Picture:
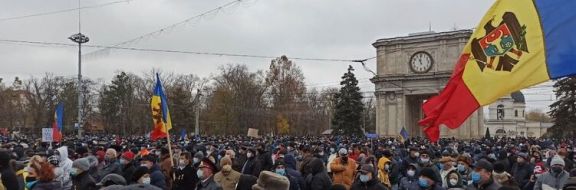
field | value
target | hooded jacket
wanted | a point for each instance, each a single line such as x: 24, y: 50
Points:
x: 382, y: 172
x: 66, y: 166
x: 318, y: 179
x: 552, y: 181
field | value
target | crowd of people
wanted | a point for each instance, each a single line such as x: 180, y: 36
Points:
x: 288, y: 163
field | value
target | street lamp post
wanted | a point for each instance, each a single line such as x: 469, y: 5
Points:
x: 79, y: 39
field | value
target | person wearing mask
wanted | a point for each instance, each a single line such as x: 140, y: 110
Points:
x: 410, y: 179
x: 141, y: 176
x: 280, y: 169
x: 464, y: 168
x: 7, y: 175
x: 482, y: 178
x: 384, y: 169
x: 563, y: 153
x: 156, y: 177
x: 504, y: 178
x: 82, y: 180
x: 318, y: 178
x: 503, y: 159
x: 290, y: 165
x: 252, y: 165
x: 66, y: 165
x: 367, y: 179
x: 522, y: 169
x: 166, y: 166
x: 426, y: 162
x: 127, y: 164
x: 343, y: 169
x: 41, y: 177
x: 205, y: 173
x: 412, y: 158
x: 447, y: 173
x: 58, y: 172
x: 555, y: 178
x: 240, y: 159
x: 227, y: 177
x: 428, y: 180
x: 111, y: 165
x: 331, y: 158
x: 185, y: 173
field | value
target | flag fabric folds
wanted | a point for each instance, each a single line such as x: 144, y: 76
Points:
x: 58, y: 122
x: 160, y: 113
x: 403, y: 134
x: 518, y: 44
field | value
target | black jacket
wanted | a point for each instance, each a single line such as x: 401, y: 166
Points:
x: 318, y: 179
x: 372, y: 184
x: 522, y: 173
x: 9, y: 179
x: 83, y: 181
x: 246, y: 182
x: 252, y: 166
x: 128, y: 171
x: 185, y: 178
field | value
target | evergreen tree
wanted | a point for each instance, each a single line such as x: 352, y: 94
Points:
x: 563, y: 111
x: 349, y: 106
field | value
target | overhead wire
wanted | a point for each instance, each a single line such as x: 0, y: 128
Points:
x: 63, y: 10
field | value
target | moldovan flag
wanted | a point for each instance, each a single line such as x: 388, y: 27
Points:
x: 518, y: 43
x: 57, y: 124
x: 160, y: 114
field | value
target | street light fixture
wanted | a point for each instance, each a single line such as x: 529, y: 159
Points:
x: 79, y: 39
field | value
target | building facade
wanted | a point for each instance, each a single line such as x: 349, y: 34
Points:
x: 507, y: 117
x: 411, y: 69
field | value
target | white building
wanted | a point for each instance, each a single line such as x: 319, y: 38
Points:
x: 507, y: 117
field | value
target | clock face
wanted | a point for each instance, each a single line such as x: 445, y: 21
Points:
x: 421, y: 62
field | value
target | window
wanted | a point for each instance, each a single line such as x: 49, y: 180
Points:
x: 500, y: 112
x: 515, y: 113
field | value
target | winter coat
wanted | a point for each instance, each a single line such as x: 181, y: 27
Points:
x: 382, y: 172
x: 343, y: 173
x: 372, y: 184
x: 446, y: 180
x: 9, y: 179
x: 408, y: 183
x: 300, y: 181
x: 550, y: 180
x: 437, y: 186
x: 128, y: 171
x: 157, y: 178
x: 166, y: 168
x: 305, y: 165
x: 47, y: 185
x: 185, y: 178
x: 491, y: 185
x: 318, y: 179
x: 252, y: 166
x: 208, y: 184
x: 228, y: 182
x: 522, y: 173
x: 66, y: 165
x: 246, y: 182
x: 84, y: 181
x: 113, y: 167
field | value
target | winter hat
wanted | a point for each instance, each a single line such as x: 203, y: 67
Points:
x: 499, y: 167
x: 557, y: 161
x: 112, y: 179
x: 207, y: 163
x: 82, y: 164
x: 483, y: 164
x: 271, y: 181
x: 523, y: 155
x: 429, y: 173
x: 366, y: 168
x: 225, y: 161
x: 139, y: 172
x: 343, y: 152
x: 128, y: 155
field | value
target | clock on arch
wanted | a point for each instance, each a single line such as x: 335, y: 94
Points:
x: 421, y: 62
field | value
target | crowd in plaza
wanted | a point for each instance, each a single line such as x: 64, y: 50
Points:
x: 287, y: 163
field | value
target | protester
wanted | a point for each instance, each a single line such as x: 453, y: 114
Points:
x: 127, y: 165
x: 185, y: 173
x: 205, y: 173
x: 343, y: 169
x: 8, y: 176
x: 555, y: 178
x: 111, y: 179
x: 271, y: 181
x: 252, y: 165
x: 367, y: 180
x: 482, y: 177
x: 428, y: 180
x: 227, y: 177
x: 157, y: 178
x: 65, y: 165
x: 318, y: 178
x: 82, y: 180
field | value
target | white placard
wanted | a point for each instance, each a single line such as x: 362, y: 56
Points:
x: 47, y: 135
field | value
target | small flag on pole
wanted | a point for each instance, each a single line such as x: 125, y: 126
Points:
x: 160, y: 113
x: 403, y: 134
x: 57, y: 124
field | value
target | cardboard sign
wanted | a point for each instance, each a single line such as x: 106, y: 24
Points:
x: 47, y: 135
x: 253, y: 132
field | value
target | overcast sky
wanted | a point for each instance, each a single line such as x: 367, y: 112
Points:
x: 334, y: 29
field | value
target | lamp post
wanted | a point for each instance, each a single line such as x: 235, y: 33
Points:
x: 79, y: 39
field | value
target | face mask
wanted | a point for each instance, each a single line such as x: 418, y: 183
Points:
x: 556, y: 170
x: 423, y: 183
x: 249, y: 155
x: 387, y: 167
x: 453, y: 182
x: 440, y: 166
x: 321, y: 153
x: 145, y: 165
x: 424, y: 160
x: 476, y: 177
x: 200, y: 174
x: 416, y: 154
x: 123, y: 161
x: 332, y: 150
x: 461, y: 168
x: 74, y: 172
x: 411, y: 173
x: 195, y: 160
x: 364, y: 178
x: 281, y: 172
x: 146, y: 180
